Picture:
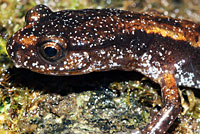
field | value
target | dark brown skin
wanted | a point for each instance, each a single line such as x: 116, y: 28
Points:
x: 74, y: 42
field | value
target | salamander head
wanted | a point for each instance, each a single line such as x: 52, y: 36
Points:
x: 43, y: 45
x: 71, y: 42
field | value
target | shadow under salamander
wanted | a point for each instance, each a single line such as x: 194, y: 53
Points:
x: 67, y: 84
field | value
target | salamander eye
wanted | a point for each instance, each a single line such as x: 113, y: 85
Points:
x: 51, y: 50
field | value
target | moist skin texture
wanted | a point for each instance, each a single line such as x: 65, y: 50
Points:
x: 75, y: 42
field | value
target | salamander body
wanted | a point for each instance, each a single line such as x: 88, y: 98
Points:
x: 74, y: 42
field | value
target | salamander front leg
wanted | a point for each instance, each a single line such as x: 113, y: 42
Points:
x: 161, y: 122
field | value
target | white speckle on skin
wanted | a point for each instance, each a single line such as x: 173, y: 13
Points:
x: 185, y: 78
x: 42, y: 67
x: 25, y: 63
x: 61, y: 68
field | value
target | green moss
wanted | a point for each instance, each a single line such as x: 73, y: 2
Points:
x: 4, y: 105
x: 3, y: 46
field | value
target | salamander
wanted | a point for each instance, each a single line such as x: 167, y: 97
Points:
x: 75, y: 42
